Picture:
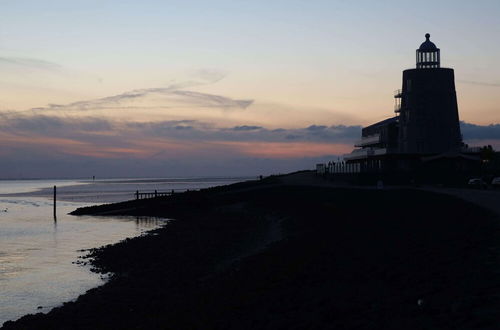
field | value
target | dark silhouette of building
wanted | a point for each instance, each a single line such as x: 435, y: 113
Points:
x: 426, y: 125
x: 428, y: 116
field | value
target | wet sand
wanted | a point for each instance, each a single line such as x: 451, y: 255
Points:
x: 274, y: 254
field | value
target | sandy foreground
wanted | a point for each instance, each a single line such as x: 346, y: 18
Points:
x: 283, y: 254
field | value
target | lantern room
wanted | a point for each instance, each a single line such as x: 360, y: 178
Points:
x: 428, y: 55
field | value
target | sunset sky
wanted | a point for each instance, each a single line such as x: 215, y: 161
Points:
x: 170, y: 88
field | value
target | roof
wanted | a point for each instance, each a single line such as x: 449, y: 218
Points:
x: 427, y: 45
x: 383, y: 122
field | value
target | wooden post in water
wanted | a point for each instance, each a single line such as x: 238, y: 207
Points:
x: 55, y: 195
x: 137, y: 194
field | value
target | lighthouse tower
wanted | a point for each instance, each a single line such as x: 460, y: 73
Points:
x: 425, y: 133
x: 428, y: 115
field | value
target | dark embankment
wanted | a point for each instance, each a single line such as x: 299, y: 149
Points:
x: 347, y: 259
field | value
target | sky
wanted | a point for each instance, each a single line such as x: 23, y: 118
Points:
x: 191, y: 88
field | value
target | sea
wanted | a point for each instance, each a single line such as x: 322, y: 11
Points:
x: 39, y: 250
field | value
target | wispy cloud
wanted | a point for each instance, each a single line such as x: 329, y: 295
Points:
x: 91, y: 140
x: 31, y: 63
x: 86, y: 129
x: 99, y: 137
x: 247, y: 128
x: 164, y: 98
x: 480, y: 132
x: 50, y: 124
x: 210, y: 100
x: 201, y: 131
x: 480, y: 83
x: 209, y: 76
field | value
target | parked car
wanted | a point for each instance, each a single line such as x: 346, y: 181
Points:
x: 496, y: 182
x: 477, y: 183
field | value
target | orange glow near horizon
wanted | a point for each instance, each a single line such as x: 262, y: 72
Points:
x: 38, y: 140
x: 287, y: 149
x: 143, y: 148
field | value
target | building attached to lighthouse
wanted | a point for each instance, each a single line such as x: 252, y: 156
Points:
x: 425, y: 126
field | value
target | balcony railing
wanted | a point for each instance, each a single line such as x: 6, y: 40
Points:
x: 365, y: 153
x: 398, y: 94
x: 379, y: 151
x: 397, y: 107
x: 368, y: 140
x: 359, y: 154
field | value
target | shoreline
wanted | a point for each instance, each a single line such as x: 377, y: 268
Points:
x: 37, y: 253
x: 268, y: 254
x: 115, y: 190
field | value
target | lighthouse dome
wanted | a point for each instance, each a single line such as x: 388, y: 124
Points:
x: 427, y: 45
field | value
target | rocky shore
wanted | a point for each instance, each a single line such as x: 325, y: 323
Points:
x: 269, y: 255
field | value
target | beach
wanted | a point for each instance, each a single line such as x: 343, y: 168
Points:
x: 280, y: 253
x: 39, y: 251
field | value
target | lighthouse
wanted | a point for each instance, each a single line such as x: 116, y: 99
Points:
x: 428, y: 112
x: 425, y: 130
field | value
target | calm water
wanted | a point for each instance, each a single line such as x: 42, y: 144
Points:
x: 37, y: 253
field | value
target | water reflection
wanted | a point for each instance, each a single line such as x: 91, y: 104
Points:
x: 38, y: 252
x: 149, y: 222
x: 38, y: 247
